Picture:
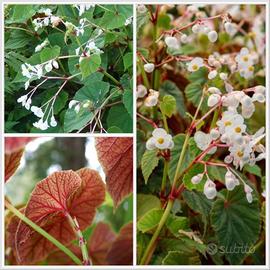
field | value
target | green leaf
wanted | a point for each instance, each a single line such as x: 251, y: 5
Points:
x: 90, y: 65
x: 128, y: 101
x: 199, y: 76
x: 189, y: 49
x: 95, y: 91
x: 149, y: 163
x: 168, y: 105
x: 128, y: 60
x: 181, y: 258
x: 142, y: 242
x: 176, y: 223
x: 119, y: 117
x: 236, y: 223
x: 140, y: 146
x: 194, y: 93
x: 254, y: 169
x: 145, y: 203
x: 114, y: 129
x: 49, y: 53
x: 75, y: 121
x: 150, y: 220
x: 22, y: 13
x: 112, y: 20
x: 170, y: 88
x: 164, y: 21
x: 198, y: 202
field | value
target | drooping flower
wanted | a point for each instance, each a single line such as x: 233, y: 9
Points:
x: 172, y: 42
x: 152, y: 98
x: 212, y: 36
x: 149, y: 67
x: 141, y: 91
x: 209, y: 189
x: 203, y: 141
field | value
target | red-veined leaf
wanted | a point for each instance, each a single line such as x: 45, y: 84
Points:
x: 121, y: 251
x: 13, y: 144
x: 12, y: 162
x: 100, y: 242
x: 116, y: 158
x: 78, y: 194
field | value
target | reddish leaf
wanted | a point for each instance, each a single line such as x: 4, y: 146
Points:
x: 116, y: 158
x: 100, y: 242
x: 78, y: 194
x: 121, y: 251
x: 12, y: 162
x: 13, y: 144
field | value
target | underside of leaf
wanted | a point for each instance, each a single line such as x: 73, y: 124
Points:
x: 12, y: 162
x: 116, y: 158
x: 13, y: 144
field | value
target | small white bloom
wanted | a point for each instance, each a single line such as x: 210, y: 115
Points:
x: 213, y: 100
x: 172, y: 42
x: 228, y: 159
x: 48, y: 66
x: 214, y: 90
x: 26, y: 85
x: 28, y: 104
x: 214, y: 133
x: 230, y: 180
x: 196, y: 179
x: 37, y: 111
x: 77, y: 108
x: 141, y: 9
x: 230, y: 28
x: 203, y: 140
x: 53, y: 122
x: 55, y: 64
x: 152, y: 98
x: 22, y: 99
x: 212, y: 36
x: 149, y: 67
x: 196, y: 28
x: 223, y: 76
x: 210, y: 189
x: 184, y: 38
x: 195, y: 64
x: 212, y: 74
x: 160, y: 139
x: 141, y: 91
x: 38, y: 48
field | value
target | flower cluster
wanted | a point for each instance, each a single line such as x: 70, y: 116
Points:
x: 83, y: 8
x: 49, y: 18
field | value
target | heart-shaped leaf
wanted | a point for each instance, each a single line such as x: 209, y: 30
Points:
x: 12, y: 162
x: 67, y: 192
x: 100, y: 242
x: 121, y: 251
x: 116, y: 158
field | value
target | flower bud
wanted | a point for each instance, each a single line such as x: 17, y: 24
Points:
x: 214, y: 90
x: 223, y: 76
x: 141, y: 91
x: 184, y: 38
x: 196, y: 28
x: 214, y: 133
x: 213, y: 100
x: 172, y: 42
x: 212, y: 74
x: 212, y: 36
x: 249, y: 197
x: 230, y: 28
x: 196, y: 179
x: 210, y: 189
x: 149, y: 67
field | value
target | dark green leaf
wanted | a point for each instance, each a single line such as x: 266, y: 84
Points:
x: 149, y: 163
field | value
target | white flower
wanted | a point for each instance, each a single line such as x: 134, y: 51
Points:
x: 25, y: 71
x: 128, y: 21
x: 213, y: 100
x: 41, y: 125
x: 55, y: 21
x: 73, y: 103
x: 149, y: 67
x: 209, y: 189
x: 196, y: 179
x: 48, y: 66
x: 203, y: 141
x: 160, y: 140
x: 83, y: 7
x: 241, y: 154
x: 214, y: 133
x: 212, y: 74
x: 141, y: 9
x: 230, y: 28
x: 28, y: 104
x: 48, y: 12
x: 55, y: 64
x: 184, y: 38
x: 223, y: 76
x: 172, y: 42
x: 141, y: 91
x: 228, y: 159
x: 152, y: 98
x: 195, y: 64
x: 22, y: 99
x: 259, y: 94
x: 77, y: 108
x: 230, y: 180
x: 196, y: 28
x: 229, y: 119
x: 248, y: 190
x: 26, y: 85
x: 244, y: 58
x: 37, y: 111
x: 214, y: 90
x: 53, y: 122
x: 38, y: 48
x: 212, y: 36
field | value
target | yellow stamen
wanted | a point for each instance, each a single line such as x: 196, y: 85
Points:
x: 195, y: 67
x: 240, y: 154
x: 245, y: 58
x: 237, y: 129
x: 160, y: 140
x: 227, y: 123
x: 251, y: 68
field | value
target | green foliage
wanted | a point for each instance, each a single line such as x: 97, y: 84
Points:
x: 236, y: 223
x: 168, y: 105
x: 89, y: 74
x: 149, y: 162
x: 145, y: 203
